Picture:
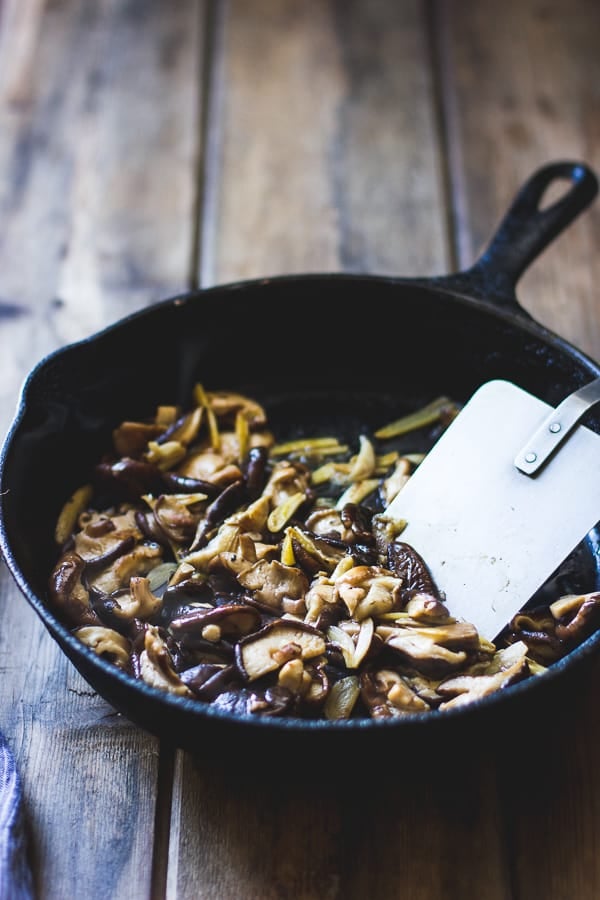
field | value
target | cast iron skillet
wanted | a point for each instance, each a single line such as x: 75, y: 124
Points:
x: 344, y: 352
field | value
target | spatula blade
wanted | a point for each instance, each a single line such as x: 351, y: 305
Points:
x: 490, y: 535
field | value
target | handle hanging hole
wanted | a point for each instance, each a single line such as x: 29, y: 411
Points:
x: 554, y: 193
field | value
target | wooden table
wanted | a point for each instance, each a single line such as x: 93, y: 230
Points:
x: 149, y: 146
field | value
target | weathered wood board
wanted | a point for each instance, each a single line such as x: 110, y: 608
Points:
x: 98, y: 144
x: 146, y: 147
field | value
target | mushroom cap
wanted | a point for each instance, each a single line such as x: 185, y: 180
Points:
x: 275, y: 644
x: 233, y: 620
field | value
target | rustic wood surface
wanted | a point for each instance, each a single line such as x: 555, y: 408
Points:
x: 146, y: 147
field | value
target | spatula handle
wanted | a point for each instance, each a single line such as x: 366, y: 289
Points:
x: 556, y: 427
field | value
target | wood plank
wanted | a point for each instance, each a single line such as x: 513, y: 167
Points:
x: 328, y: 161
x: 98, y: 141
x: 521, y: 88
x: 331, y: 163
x: 406, y: 829
x: 98, y: 145
x: 89, y: 778
x: 552, y: 798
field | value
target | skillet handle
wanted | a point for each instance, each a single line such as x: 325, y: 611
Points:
x: 524, y: 232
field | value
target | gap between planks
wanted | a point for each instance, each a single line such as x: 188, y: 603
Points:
x: 209, y: 25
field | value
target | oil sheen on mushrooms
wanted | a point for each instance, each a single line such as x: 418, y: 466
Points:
x: 213, y: 563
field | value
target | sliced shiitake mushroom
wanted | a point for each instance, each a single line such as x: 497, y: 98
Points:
x: 67, y: 519
x: 139, y: 561
x: 68, y: 594
x: 102, y: 538
x: 316, y: 554
x: 156, y: 665
x: 106, y: 642
x: 222, y: 506
x: 185, y: 429
x: 508, y: 666
x: 277, y: 643
x: 178, y: 515
x: 255, y: 468
x: 429, y: 653
x: 386, y: 693
x: 226, y: 404
x: 131, y: 438
x: 368, y: 591
x: 180, y: 484
x: 404, y: 561
x: 208, y: 680
x: 271, y: 582
x: 578, y: 618
x: 230, y: 621
x: 137, y: 601
x: 127, y: 478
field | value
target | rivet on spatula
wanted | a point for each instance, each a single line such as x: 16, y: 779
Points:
x: 531, y: 457
x: 555, y: 427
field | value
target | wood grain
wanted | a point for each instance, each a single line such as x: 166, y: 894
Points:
x: 98, y: 143
x: 521, y: 85
x: 551, y: 797
x: 98, y: 149
x: 404, y: 829
x: 328, y: 158
x: 336, y: 136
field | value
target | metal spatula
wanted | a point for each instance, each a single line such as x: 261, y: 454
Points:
x: 507, y: 492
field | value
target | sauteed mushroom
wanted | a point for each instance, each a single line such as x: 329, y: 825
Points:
x: 276, y: 644
x: 266, y: 579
